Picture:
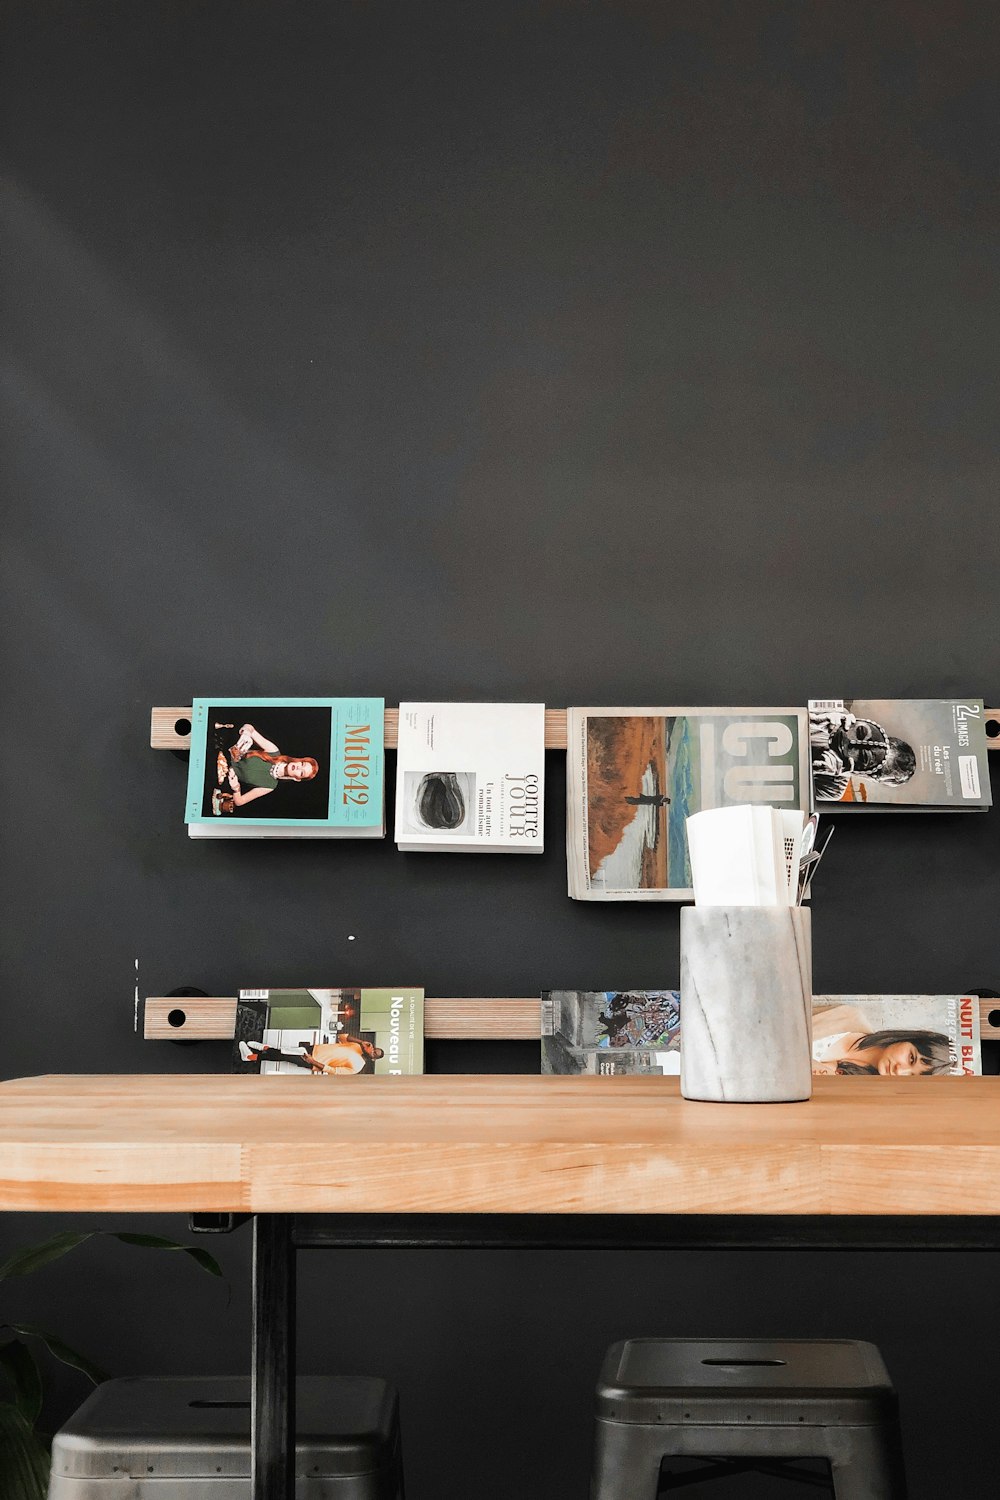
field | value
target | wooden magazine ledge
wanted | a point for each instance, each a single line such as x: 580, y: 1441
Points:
x: 213, y: 1018
x: 166, y: 731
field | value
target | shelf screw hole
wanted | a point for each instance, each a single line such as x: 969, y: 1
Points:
x: 183, y: 726
x: 176, y: 1017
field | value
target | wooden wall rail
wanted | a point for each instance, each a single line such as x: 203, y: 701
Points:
x: 166, y: 733
x: 213, y: 1018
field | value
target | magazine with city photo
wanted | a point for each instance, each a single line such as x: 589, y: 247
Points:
x: 610, y: 1031
x: 470, y: 778
x: 896, y: 1035
x: 329, y: 1031
x: 908, y: 754
x: 286, y: 768
x: 634, y: 775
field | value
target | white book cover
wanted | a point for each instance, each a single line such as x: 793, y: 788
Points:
x: 470, y: 777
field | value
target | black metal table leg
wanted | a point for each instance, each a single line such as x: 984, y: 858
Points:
x: 272, y: 1412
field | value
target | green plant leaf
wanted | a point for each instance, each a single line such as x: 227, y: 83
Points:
x: 23, y: 1262
x: 154, y: 1242
x: 24, y: 1463
x: 18, y: 1364
x: 62, y: 1352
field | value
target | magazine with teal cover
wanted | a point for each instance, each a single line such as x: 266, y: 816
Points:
x: 283, y: 766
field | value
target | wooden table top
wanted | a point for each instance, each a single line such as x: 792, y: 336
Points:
x: 494, y: 1144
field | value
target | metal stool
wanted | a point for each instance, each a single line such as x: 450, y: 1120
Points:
x: 746, y: 1405
x: 190, y: 1440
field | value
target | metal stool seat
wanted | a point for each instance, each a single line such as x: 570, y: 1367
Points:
x: 189, y: 1439
x: 744, y: 1405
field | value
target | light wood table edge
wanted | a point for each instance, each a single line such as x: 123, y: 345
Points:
x: 509, y: 1144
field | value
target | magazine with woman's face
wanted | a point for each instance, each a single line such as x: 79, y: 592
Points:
x: 896, y: 1036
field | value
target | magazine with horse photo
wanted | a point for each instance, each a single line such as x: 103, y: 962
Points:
x: 611, y: 1031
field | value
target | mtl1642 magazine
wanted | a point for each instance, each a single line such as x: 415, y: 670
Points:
x: 286, y: 768
x: 634, y: 775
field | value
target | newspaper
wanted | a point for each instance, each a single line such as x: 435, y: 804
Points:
x: 634, y: 775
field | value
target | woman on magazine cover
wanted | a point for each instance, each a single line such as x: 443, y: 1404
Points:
x: 256, y: 767
x: 348, y: 1054
x: 844, y: 1042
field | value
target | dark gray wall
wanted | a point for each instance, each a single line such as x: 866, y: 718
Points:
x: 602, y: 352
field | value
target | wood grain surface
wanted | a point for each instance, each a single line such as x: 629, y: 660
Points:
x: 166, y: 733
x: 206, y: 1018
x: 500, y: 1144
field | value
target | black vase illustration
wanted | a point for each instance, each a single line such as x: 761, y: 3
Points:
x: 439, y: 800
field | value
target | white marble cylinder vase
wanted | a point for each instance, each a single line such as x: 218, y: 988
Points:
x: 746, y: 1003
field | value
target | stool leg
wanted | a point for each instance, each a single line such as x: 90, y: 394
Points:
x: 626, y: 1462
x: 867, y: 1464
